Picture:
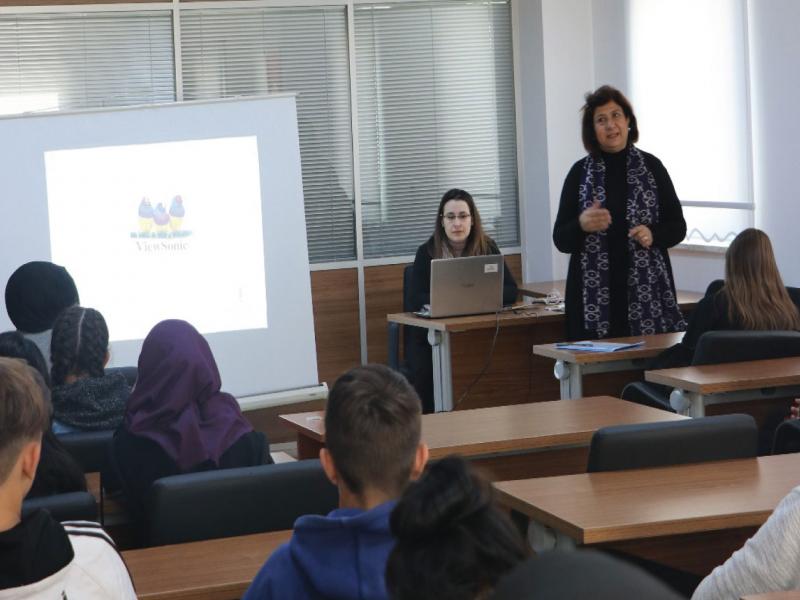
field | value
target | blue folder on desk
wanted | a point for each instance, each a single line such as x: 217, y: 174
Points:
x: 598, y: 346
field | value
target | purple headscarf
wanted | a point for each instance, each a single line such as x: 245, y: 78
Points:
x: 177, y: 401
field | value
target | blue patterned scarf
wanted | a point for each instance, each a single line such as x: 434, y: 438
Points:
x: 652, y: 306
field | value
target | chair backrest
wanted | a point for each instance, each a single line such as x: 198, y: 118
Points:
x: 787, y: 437
x: 228, y: 502
x: 673, y: 443
x: 716, y: 347
x: 130, y: 373
x: 74, y: 506
x: 89, y: 448
x: 579, y: 574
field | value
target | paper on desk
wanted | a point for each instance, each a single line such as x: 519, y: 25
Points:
x: 598, y: 346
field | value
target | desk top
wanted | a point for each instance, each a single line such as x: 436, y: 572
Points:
x: 790, y: 595
x: 653, y: 346
x: 592, y: 508
x: 211, y: 569
x: 523, y: 314
x: 541, y: 289
x: 512, y: 428
x: 730, y: 377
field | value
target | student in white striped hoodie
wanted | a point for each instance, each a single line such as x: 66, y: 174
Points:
x: 39, y: 557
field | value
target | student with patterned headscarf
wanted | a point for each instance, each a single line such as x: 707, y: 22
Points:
x: 618, y: 215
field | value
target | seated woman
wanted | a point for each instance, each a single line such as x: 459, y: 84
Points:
x: 752, y: 297
x: 84, y: 397
x: 458, y: 232
x: 452, y: 541
x: 58, y: 472
x: 36, y: 293
x: 177, y: 420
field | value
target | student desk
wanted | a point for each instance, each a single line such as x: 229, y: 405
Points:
x: 219, y: 569
x: 690, y: 517
x: 508, y: 442
x: 729, y: 382
x: 790, y: 595
x: 572, y: 365
x: 461, y: 345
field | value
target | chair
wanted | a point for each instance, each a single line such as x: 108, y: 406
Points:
x: 89, y: 448
x: 130, y: 373
x: 579, y: 574
x: 396, y: 330
x: 787, y: 437
x: 74, y: 506
x: 718, y: 347
x: 228, y: 502
x: 673, y: 443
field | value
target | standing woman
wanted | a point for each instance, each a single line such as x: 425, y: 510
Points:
x: 618, y: 215
x: 458, y: 232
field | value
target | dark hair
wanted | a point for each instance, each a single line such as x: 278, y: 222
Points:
x: 594, y: 100
x: 79, y: 344
x: 24, y: 410
x: 452, y: 542
x: 372, y: 429
x: 477, y: 243
x: 15, y: 345
x: 757, y: 298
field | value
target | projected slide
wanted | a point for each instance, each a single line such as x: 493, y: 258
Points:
x: 166, y: 230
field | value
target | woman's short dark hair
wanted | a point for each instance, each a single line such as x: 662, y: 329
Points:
x: 452, y: 541
x: 15, y: 345
x: 79, y: 344
x: 594, y: 100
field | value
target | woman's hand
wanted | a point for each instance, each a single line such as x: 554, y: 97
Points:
x: 595, y: 218
x: 642, y: 234
x: 794, y: 412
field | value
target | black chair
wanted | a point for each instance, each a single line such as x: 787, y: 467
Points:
x: 396, y: 330
x: 130, y: 373
x: 718, y: 347
x: 579, y: 574
x: 89, y: 448
x: 74, y: 506
x: 787, y: 437
x: 228, y: 502
x: 673, y: 443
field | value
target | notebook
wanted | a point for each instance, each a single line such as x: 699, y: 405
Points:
x: 471, y: 285
x: 598, y: 346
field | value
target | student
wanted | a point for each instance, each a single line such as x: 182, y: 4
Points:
x: 39, y: 557
x: 458, y: 232
x: 372, y: 449
x: 177, y: 419
x: 768, y: 562
x: 84, y: 397
x: 36, y: 293
x: 452, y: 542
x: 57, y: 473
x: 752, y: 297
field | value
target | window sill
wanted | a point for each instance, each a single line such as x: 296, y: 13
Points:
x: 702, y: 248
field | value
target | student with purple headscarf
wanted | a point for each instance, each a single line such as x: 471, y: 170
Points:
x: 177, y: 420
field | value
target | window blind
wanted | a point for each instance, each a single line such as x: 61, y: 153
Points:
x: 232, y: 52
x: 57, y: 61
x: 435, y: 111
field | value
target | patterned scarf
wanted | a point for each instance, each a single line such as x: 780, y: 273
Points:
x: 652, y: 307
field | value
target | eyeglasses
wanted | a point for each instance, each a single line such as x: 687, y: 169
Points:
x: 450, y: 217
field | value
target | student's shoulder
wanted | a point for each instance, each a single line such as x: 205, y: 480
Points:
x: 277, y: 573
x: 97, y: 557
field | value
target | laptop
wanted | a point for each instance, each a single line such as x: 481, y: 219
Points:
x: 470, y: 285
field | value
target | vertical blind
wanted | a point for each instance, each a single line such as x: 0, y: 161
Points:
x: 435, y: 111
x: 59, y: 61
x: 232, y: 52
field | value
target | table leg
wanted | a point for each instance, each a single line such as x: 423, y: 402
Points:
x: 544, y: 539
x: 570, y: 377
x: 442, y: 370
x: 697, y: 405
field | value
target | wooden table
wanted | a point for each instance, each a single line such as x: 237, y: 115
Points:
x: 508, y: 442
x: 691, y: 517
x: 220, y: 569
x: 698, y: 387
x: 542, y: 289
x: 461, y: 346
x: 790, y: 595
x: 572, y: 365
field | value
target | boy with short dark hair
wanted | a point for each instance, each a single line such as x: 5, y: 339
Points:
x: 373, y: 449
x: 39, y: 557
